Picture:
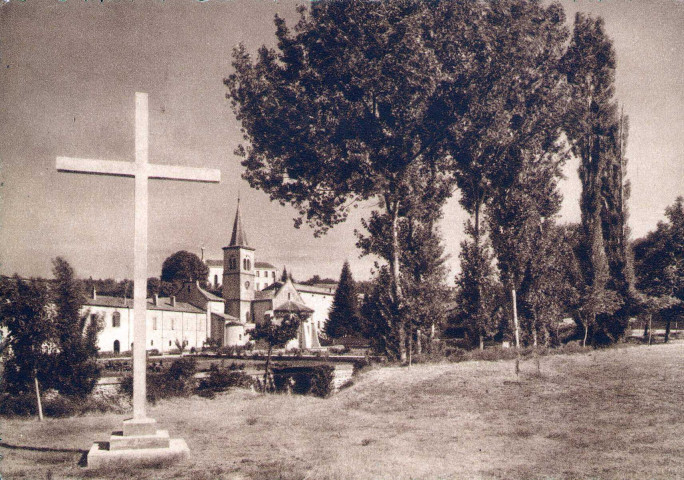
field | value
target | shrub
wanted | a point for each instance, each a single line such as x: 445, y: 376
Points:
x: 177, y: 381
x: 314, y: 380
x: 361, y: 365
x: 23, y: 404
x: 221, y: 379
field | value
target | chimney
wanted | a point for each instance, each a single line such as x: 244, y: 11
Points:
x: 94, y: 294
x: 173, y: 300
x: 156, y: 299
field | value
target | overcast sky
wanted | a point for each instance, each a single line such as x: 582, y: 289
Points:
x: 68, y: 73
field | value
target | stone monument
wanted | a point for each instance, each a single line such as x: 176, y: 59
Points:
x: 140, y: 441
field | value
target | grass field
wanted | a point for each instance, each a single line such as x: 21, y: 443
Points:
x: 609, y: 414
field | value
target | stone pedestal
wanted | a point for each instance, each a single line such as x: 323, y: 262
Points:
x: 140, y: 443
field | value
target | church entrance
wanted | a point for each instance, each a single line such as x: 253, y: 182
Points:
x: 117, y: 346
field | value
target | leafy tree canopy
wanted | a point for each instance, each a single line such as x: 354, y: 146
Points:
x: 184, y: 266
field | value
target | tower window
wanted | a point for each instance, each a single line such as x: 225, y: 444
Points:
x: 215, y: 280
x: 116, y: 319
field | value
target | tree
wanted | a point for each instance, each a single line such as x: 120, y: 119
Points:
x: 524, y: 196
x: 182, y: 267
x: 659, y: 264
x: 343, y: 318
x: 284, y: 276
x: 26, y: 313
x: 593, y: 131
x: 476, y: 287
x: 75, y: 371
x: 422, y: 260
x: 181, y: 346
x: 548, y: 290
x: 276, y: 333
x: 512, y: 146
x: 378, y: 311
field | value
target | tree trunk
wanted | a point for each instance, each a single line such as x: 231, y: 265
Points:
x: 419, y: 342
x: 268, y: 364
x: 586, y: 333
x: 40, y: 405
x: 667, y: 328
x: 481, y: 342
x: 515, y: 320
x: 650, y: 327
x: 534, y: 337
x: 410, y: 348
x: 393, y: 209
x: 517, y: 332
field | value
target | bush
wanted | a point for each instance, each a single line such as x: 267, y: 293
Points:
x: 235, y: 350
x: 221, y: 379
x: 361, y: 365
x: 314, y: 380
x: 177, y: 381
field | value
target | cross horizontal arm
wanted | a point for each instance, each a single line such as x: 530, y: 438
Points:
x: 131, y: 169
x: 190, y: 174
x: 96, y: 167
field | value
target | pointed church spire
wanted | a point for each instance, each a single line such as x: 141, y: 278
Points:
x: 238, y: 239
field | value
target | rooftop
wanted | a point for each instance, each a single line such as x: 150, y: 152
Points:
x: 163, y: 303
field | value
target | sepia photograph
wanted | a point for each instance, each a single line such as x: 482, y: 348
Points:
x: 341, y: 239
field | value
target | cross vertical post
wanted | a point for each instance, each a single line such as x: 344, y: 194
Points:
x: 140, y: 260
x: 139, y: 432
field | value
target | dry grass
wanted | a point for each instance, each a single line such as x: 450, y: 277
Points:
x: 608, y: 414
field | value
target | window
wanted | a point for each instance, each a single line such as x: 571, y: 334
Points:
x: 173, y: 324
x: 154, y: 323
x: 116, y: 319
x: 257, y: 286
x: 273, y: 274
x: 169, y: 343
x: 151, y: 343
x: 258, y: 273
x: 246, y: 264
x: 232, y: 263
x: 289, y: 295
x: 117, y: 346
x: 247, y: 317
x: 239, y: 336
x: 216, y: 280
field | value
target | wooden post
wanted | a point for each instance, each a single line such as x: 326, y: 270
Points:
x: 40, y: 405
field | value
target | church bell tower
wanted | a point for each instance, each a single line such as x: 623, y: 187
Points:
x: 238, y: 273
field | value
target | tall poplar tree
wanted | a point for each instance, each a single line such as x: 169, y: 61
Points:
x: 592, y: 130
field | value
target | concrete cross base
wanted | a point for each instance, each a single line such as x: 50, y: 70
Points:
x: 118, y: 441
x: 99, y: 456
x: 139, y: 426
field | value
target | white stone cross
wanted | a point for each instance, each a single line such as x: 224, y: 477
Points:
x: 141, y: 171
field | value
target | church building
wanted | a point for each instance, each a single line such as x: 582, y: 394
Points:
x: 252, y: 295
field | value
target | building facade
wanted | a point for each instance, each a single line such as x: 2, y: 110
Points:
x: 168, y: 321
